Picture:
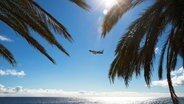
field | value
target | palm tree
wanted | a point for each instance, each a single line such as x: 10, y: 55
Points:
x: 135, y: 50
x: 26, y: 15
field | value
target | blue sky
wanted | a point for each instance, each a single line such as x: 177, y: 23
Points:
x: 82, y: 71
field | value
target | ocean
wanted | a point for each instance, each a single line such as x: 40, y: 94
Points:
x: 86, y: 100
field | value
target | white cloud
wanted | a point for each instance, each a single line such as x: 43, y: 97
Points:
x: 20, y: 91
x: 177, y: 79
x: 4, y: 38
x: 178, y: 72
x: 12, y: 73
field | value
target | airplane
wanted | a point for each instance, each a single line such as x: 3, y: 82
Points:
x: 96, y: 52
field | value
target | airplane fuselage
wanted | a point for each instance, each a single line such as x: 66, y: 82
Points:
x: 96, y: 52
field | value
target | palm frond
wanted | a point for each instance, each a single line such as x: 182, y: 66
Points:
x: 81, y: 3
x: 4, y: 52
x: 26, y: 15
x: 51, y: 21
x: 115, y: 13
x: 22, y: 29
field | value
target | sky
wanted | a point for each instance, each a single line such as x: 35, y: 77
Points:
x: 82, y: 73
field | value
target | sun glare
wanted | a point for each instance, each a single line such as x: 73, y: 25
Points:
x: 107, y: 4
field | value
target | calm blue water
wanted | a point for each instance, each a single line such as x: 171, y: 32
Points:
x: 87, y: 100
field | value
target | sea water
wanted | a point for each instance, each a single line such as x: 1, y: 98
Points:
x: 86, y: 100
